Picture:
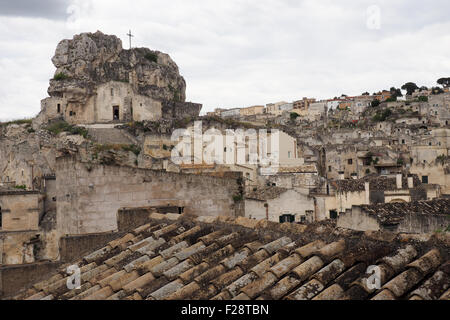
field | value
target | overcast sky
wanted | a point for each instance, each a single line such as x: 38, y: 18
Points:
x: 237, y: 53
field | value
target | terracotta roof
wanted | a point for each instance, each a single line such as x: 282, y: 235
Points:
x: 221, y: 258
x: 266, y: 193
x: 394, y: 213
x: 11, y: 191
x: 307, y: 168
x: 379, y: 183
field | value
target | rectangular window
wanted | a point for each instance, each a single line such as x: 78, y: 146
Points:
x: 329, y: 168
x: 1, y: 217
x: 350, y: 161
x: 112, y: 92
x: 425, y: 179
x: 289, y: 218
x: 59, y: 108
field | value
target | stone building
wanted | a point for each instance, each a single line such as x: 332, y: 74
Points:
x: 251, y: 111
x: 89, y: 195
x: 303, y: 104
x: 20, y: 210
x: 279, y: 205
x: 301, y: 178
x: 413, y: 217
x: 274, y: 108
x: 97, y: 81
x: 337, y: 196
x: 231, y: 113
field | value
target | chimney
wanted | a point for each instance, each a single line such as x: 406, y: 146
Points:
x: 399, y: 181
x: 410, y: 182
x: 367, y: 188
x: 341, y: 175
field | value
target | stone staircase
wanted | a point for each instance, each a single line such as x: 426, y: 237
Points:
x: 110, y: 136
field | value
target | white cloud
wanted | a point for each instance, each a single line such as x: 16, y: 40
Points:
x: 237, y: 53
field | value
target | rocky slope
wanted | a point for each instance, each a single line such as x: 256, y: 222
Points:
x: 90, y: 59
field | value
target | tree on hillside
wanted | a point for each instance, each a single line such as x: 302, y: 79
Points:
x: 395, y: 93
x: 423, y: 88
x: 366, y: 94
x: 375, y: 103
x: 410, y: 87
x: 436, y: 90
x: 445, y: 82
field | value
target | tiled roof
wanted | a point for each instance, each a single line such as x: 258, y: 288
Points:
x: 379, y: 183
x: 216, y: 258
x: 307, y: 168
x: 266, y: 193
x: 12, y: 191
x: 393, y: 213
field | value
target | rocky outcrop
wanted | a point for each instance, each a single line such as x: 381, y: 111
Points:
x: 90, y: 59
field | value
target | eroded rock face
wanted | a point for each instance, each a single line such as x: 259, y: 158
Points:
x: 90, y: 59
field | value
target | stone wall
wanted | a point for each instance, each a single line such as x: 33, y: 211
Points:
x: 21, y: 211
x: 180, y: 110
x: 355, y: 219
x: 423, y: 223
x: 15, y: 278
x: 289, y: 202
x: 73, y: 247
x: 128, y: 219
x: 28, y: 247
x: 89, y: 195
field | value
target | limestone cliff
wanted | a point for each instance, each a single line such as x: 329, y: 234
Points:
x: 90, y: 59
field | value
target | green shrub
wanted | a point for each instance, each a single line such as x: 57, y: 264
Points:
x: 21, y: 187
x: 62, y: 126
x: 237, y: 198
x: 441, y: 159
x: 60, y: 76
x: 132, y: 147
x: 422, y: 99
x: 382, y: 116
x: 151, y: 56
x: 19, y: 122
x: 294, y: 115
x: 375, y: 103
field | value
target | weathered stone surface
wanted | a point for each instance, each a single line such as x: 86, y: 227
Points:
x: 90, y: 59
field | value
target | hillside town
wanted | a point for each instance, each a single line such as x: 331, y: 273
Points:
x: 93, y: 181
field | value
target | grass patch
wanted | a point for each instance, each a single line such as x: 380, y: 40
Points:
x: 60, y: 76
x: 62, y: 126
x: 21, y: 187
x: 19, y: 122
x: 151, y: 56
x: 118, y: 147
x: 133, y: 148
